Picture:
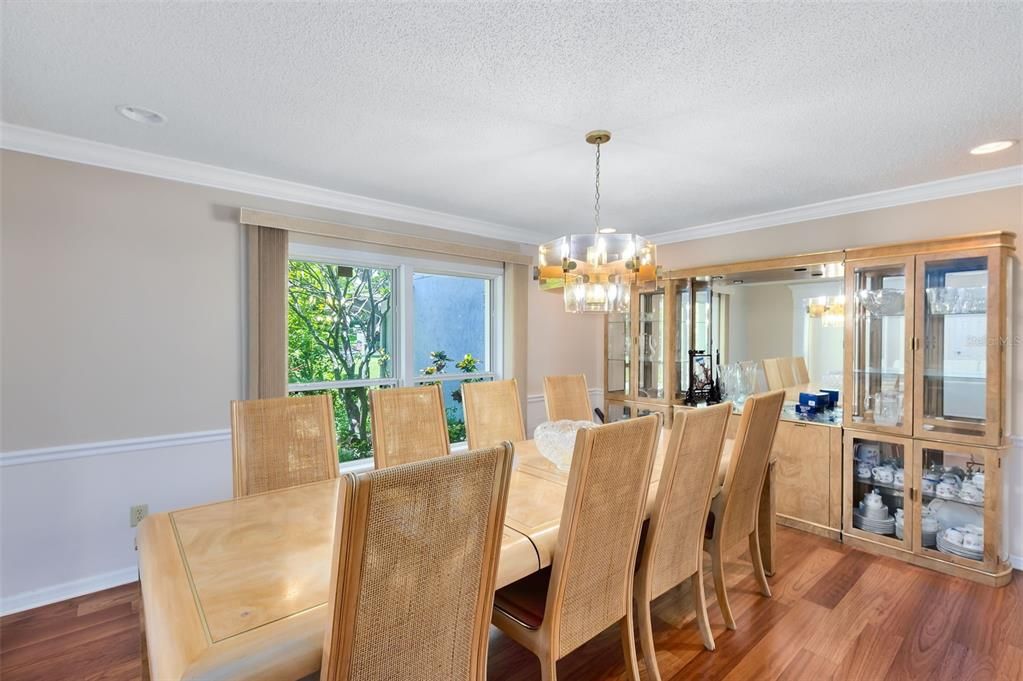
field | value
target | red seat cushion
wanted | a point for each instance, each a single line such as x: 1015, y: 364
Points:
x: 525, y: 600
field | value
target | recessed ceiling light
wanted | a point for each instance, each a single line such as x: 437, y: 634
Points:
x: 141, y: 115
x: 608, y: 230
x: 992, y: 147
x: 736, y: 281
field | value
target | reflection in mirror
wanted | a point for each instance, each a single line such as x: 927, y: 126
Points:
x: 789, y: 322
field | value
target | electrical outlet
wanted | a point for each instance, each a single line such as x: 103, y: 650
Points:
x: 137, y: 513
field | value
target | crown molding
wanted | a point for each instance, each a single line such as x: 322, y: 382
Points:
x: 67, y: 148
x: 1011, y: 176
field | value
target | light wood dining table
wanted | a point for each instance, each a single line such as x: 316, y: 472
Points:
x: 237, y: 589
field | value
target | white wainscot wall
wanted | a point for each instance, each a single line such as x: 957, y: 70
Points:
x: 64, y: 511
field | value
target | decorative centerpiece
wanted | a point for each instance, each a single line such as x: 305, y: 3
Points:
x: 556, y: 440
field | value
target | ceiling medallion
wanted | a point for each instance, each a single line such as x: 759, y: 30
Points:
x: 596, y: 271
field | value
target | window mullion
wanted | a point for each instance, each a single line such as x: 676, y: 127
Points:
x: 406, y: 315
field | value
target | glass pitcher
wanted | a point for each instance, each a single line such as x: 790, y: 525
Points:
x: 887, y: 406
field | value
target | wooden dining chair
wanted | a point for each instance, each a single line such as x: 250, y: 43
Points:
x: 493, y: 413
x: 733, y: 512
x: 282, y: 442
x: 414, y: 567
x: 801, y: 374
x: 672, y: 548
x: 407, y: 425
x: 589, y: 584
x: 773, y: 373
x: 787, y: 368
x: 567, y: 397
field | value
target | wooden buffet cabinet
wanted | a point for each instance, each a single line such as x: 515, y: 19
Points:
x: 925, y: 397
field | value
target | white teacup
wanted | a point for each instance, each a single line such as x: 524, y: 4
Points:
x: 946, y: 490
x: 929, y: 524
x: 928, y: 486
x: 863, y: 470
x: 973, y: 541
x: 899, y: 513
x: 869, y: 452
x: 975, y: 529
x: 900, y: 477
x: 978, y: 481
x: 971, y: 493
x: 954, y: 536
x: 883, y: 474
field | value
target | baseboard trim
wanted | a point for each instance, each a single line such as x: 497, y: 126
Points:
x: 65, y: 590
x: 77, y: 451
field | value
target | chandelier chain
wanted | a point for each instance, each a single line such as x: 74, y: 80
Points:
x: 596, y: 194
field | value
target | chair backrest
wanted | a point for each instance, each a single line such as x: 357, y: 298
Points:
x: 567, y: 397
x: 747, y: 467
x: 414, y: 567
x: 408, y: 424
x: 282, y: 442
x: 801, y: 374
x: 674, y: 539
x: 493, y: 413
x: 787, y: 367
x: 595, y: 557
x: 773, y: 373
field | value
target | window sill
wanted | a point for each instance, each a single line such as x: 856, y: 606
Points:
x: 363, y: 465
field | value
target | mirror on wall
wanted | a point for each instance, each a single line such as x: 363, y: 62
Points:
x: 780, y: 328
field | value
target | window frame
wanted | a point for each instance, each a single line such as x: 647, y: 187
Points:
x: 404, y: 269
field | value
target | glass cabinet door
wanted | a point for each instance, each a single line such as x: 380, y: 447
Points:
x: 618, y: 348
x: 955, y: 482
x: 650, y: 338
x: 879, y: 342
x: 878, y: 480
x: 958, y: 352
x: 683, y: 332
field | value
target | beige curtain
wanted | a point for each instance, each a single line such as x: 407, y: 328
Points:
x: 516, y: 290
x: 267, y: 255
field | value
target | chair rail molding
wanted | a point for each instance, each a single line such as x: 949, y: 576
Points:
x: 22, y: 457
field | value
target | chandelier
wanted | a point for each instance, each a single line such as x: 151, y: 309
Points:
x: 596, y: 271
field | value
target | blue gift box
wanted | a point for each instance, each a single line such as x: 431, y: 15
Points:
x: 833, y: 396
x: 817, y: 400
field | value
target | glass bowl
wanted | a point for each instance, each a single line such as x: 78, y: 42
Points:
x: 555, y: 440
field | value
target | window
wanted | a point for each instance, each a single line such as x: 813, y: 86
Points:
x: 351, y: 330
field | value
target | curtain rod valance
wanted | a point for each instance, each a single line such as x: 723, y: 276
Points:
x: 292, y: 223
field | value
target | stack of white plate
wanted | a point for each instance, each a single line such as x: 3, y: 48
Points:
x: 870, y: 525
x: 958, y: 550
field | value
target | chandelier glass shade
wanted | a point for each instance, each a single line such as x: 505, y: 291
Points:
x: 596, y: 271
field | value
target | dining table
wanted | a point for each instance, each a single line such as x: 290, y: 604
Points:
x: 238, y: 589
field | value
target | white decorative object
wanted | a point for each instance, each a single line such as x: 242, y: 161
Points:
x: 556, y: 440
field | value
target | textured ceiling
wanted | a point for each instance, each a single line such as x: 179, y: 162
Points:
x: 479, y: 109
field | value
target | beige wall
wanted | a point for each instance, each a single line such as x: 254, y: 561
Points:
x: 562, y: 343
x: 122, y: 301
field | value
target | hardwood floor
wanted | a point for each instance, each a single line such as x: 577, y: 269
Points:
x: 837, y: 613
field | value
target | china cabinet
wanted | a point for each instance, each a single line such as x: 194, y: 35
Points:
x: 925, y: 402
x: 910, y: 465
x: 638, y: 371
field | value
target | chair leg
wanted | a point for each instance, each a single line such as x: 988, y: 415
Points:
x: 718, y: 561
x: 700, y: 605
x: 758, y: 563
x: 646, y: 640
x: 629, y: 647
x: 548, y: 667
